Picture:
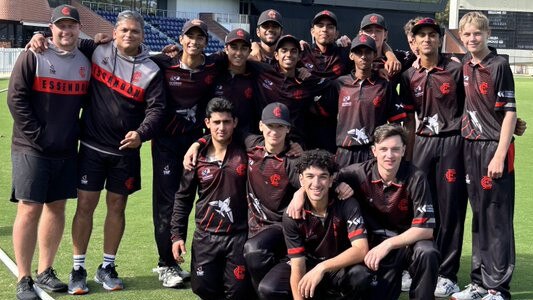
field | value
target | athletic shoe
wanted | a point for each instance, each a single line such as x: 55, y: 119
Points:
x: 108, y: 278
x: 49, y: 282
x: 406, y: 281
x: 493, y: 295
x: 471, y: 292
x: 185, y: 276
x: 25, y: 289
x: 172, y: 278
x: 77, y: 284
x: 445, y: 288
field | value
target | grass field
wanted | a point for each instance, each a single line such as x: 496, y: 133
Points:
x: 137, y: 254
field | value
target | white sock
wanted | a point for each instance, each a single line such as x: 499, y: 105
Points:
x: 79, y: 261
x: 108, y: 260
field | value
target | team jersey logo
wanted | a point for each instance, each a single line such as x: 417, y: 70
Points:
x: 199, y: 271
x: 82, y: 72
x: 428, y: 208
x: 241, y: 169
x: 206, y: 174
x: 445, y: 88
x: 52, y: 69
x: 450, y: 175
x: 166, y: 170
x: 239, y: 272
x: 105, y: 60
x: 419, y: 92
x: 129, y: 183
x: 474, y: 119
x: 467, y: 179
x: 403, y: 205
x: 337, y: 69
x: 310, y: 66
x: 208, y: 79
x: 356, y: 222
x: 222, y: 207
x: 432, y: 123
x: 377, y: 101
x: 466, y: 79
x: 346, y: 101
x: 275, y: 179
x: 248, y: 93
x: 298, y: 95
x: 359, y: 135
x: 267, y: 84
x: 486, y: 183
x: 84, y: 180
x: 136, y: 76
x: 484, y: 88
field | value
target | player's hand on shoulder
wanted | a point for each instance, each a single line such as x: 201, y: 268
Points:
x: 38, y: 43
x: 102, y: 38
x: 344, y: 191
x: 295, y: 150
x: 189, y: 159
x: 170, y: 50
x: 343, y: 41
x: 295, y: 209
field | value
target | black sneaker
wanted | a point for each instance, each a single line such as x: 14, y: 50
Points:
x: 49, y: 282
x: 77, y: 284
x: 25, y: 289
x: 108, y: 278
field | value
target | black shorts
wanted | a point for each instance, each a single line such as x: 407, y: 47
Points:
x: 121, y: 174
x: 42, y: 180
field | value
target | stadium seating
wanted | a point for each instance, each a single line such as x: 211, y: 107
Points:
x: 160, y: 31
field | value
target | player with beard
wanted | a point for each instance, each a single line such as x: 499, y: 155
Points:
x: 269, y: 30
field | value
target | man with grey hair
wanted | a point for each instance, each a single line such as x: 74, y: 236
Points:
x: 126, y: 108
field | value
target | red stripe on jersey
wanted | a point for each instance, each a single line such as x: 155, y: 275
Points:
x: 500, y: 104
x: 209, y: 222
x: 292, y: 251
x: 117, y: 84
x: 408, y: 107
x: 417, y: 221
x: 355, y: 233
x: 398, y: 117
x: 510, y: 158
x: 60, y: 86
x: 218, y: 227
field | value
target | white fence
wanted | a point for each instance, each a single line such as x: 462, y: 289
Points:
x: 8, y: 57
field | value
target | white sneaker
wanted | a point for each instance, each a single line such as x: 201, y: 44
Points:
x: 445, y: 287
x: 471, y: 292
x: 493, y: 295
x: 169, y: 276
x: 406, y: 281
x: 183, y: 274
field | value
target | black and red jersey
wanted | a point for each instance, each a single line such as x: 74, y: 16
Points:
x: 321, y: 238
x: 126, y: 95
x: 390, y: 210
x: 242, y: 91
x: 272, y: 181
x: 297, y: 94
x: 45, y: 94
x: 489, y: 89
x: 437, y: 96
x: 362, y: 106
x: 188, y: 91
x: 221, y: 207
x: 331, y: 64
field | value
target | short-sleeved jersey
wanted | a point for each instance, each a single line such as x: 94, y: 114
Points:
x: 390, y: 210
x: 489, y: 89
x: 221, y: 206
x: 298, y: 95
x: 272, y: 181
x: 437, y: 96
x: 364, y: 105
x: 331, y: 64
x: 188, y: 92
x: 241, y: 91
x: 321, y: 238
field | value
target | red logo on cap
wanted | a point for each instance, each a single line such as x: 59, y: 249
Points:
x: 272, y: 14
x: 445, y: 88
x: 362, y: 38
x: 326, y: 12
x: 65, y: 11
x: 277, y: 112
x: 240, y: 33
x: 373, y: 19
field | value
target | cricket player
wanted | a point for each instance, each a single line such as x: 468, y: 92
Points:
x: 269, y: 30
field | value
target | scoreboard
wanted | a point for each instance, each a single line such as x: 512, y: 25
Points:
x: 509, y: 29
